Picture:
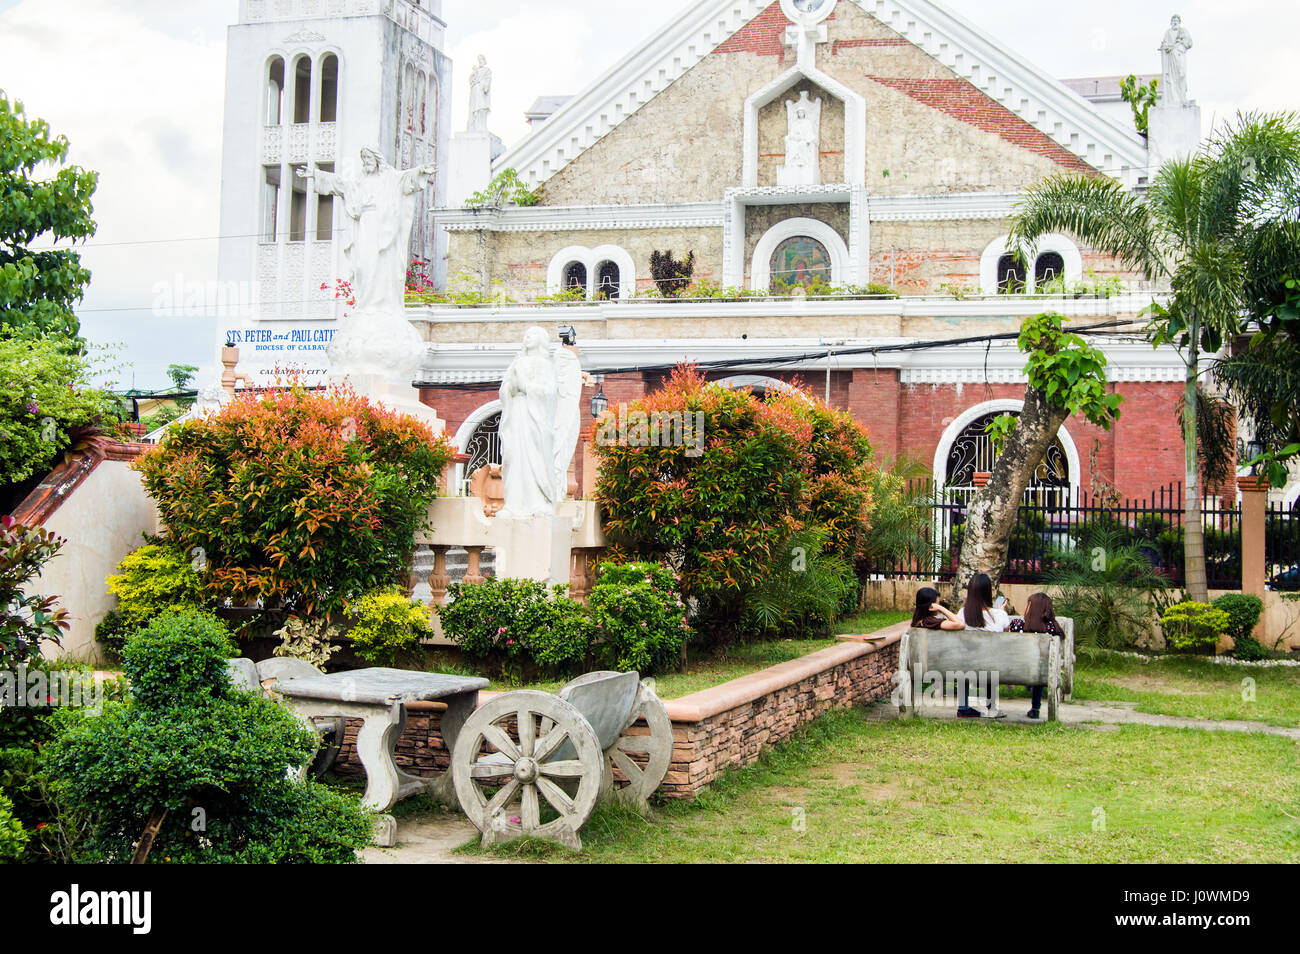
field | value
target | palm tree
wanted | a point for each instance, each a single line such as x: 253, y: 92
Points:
x: 1195, y: 231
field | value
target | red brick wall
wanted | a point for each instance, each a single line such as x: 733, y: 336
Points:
x: 1140, y: 454
x: 764, y: 35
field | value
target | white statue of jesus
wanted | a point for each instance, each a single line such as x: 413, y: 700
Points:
x: 378, y: 203
x: 540, y: 419
x: 1172, y: 90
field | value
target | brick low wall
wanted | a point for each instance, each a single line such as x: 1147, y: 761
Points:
x: 717, y: 728
x: 730, y: 724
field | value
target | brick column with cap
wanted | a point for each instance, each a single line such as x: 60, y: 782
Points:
x: 1254, y: 513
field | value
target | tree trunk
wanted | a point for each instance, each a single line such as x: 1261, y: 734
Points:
x: 1193, y: 525
x: 991, y: 516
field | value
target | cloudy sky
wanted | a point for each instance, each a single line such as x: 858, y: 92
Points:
x: 137, y: 86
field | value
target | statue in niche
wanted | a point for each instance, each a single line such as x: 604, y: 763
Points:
x: 1173, y: 61
x: 540, y: 419
x: 802, y: 142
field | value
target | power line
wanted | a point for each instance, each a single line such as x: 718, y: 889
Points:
x: 1103, y: 329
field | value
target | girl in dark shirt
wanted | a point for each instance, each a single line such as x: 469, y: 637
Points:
x: 1040, y: 617
x: 931, y: 614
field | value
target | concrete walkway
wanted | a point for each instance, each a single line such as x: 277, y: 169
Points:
x: 431, y: 839
x: 1099, y: 715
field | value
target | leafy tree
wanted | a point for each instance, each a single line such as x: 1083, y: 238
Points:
x: 506, y: 189
x: 1204, y: 227
x: 181, y: 375
x: 38, y: 289
x: 28, y: 620
x: 1066, y: 376
x: 46, y: 404
x: 1141, y: 97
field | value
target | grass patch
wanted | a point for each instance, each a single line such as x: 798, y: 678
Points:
x: 1191, y: 687
x: 703, y: 669
x: 930, y: 791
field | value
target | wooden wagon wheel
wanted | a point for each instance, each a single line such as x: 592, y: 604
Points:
x: 643, y: 779
x: 1053, y: 680
x: 523, y: 767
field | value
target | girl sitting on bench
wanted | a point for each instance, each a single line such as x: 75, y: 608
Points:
x: 931, y: 614
x: 1040, y: 617
x: 981, y: 612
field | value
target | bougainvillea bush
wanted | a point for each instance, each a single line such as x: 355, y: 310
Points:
x: 725, y: 516
x: 296, y: 499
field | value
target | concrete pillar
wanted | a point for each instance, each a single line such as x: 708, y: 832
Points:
x: 1254, y: 513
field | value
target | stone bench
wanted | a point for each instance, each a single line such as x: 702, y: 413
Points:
x: 1014, y: 659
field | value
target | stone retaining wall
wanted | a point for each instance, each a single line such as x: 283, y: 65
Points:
x: 717, y: 728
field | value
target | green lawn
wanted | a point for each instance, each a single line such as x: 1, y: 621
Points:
x: 1191, y: 687
x: 929, y: 791
x: 703, y: 669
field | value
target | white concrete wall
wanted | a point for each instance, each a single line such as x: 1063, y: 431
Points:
x: 102, y: 521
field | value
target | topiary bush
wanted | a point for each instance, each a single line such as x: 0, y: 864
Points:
x: 215, y: 759
x: 295, y: 499
x: 1244, y: 611
x: 1193, y: 627
x: 638, y: 617
x: 388, y: 626
x: 517, y: 622
x: 151, y: 580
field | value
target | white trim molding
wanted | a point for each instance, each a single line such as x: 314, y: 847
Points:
x: 576, y: 218
x: 760, y: 269
x: 1002, y: 406
x: 1054, y: 242
x: 591, y: 258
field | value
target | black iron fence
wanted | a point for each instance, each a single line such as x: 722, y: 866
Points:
x: 1063, y: 527
x: 1282, y: 546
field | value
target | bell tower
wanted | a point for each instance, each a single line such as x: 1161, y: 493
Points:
x: 309, y: 83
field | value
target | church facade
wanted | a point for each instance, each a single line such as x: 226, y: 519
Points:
x: 869, y: 149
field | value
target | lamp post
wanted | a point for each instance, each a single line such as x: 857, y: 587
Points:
x: 599, y: 403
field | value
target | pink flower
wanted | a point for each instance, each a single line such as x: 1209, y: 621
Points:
x: 501, y: 631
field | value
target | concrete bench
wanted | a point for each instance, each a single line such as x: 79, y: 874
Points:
x: 1013, y: 659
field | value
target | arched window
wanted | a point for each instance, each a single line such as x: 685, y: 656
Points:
x: 575, y: 276
x: 608, y: 280
x: 483, y: 447
x: 972, y: 452
x: 1011, y: 279
x: 431, y: 110
x: 275, y: 92
x: 1049, y: 267
x: 302, y: 90
x: 329, y: 89
x: 799, y: 261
